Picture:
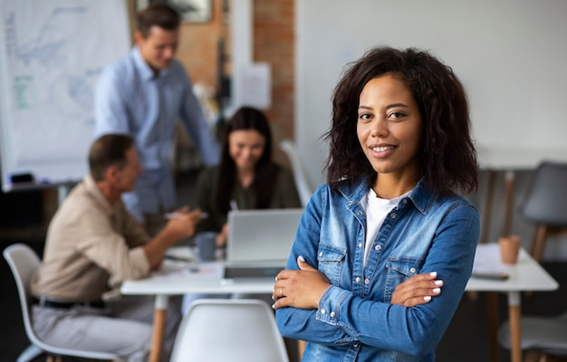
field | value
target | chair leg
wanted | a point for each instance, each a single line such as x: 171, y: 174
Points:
x: 539, y: 242
x: 30, y: 353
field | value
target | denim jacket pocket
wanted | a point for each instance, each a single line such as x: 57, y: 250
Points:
x: 400, y: 270
x: 331, y: 261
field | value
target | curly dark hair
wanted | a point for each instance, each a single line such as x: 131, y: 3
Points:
x: 447, y: 154
x: 246, y: 118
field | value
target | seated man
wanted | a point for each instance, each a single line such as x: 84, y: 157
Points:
x: 93, y: 244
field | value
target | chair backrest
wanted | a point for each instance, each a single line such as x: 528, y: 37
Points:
x: 229, y: 330
x: 23, y: 262
x: 545, y: 200
x: 303, y: 188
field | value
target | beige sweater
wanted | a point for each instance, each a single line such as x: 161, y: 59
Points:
x: 91, y: 246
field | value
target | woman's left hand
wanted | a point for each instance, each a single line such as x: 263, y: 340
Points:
x: 299, y: 288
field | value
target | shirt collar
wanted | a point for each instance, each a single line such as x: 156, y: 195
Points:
x: 143, y: 68
x: 421, y: 198
x: 94, y: 192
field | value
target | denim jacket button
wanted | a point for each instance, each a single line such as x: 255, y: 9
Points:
x: 377, y: 247
x: 323, y: 311
x: 359, y: 213
x: 366, y: 281
x: 357, y: 279
x: 355, y: 346
x: 393, y: 215
x: 321, y: 254
x: 349, y: 203
x: 332, y: 314
x: 412, y: 270
x: 360, y: 245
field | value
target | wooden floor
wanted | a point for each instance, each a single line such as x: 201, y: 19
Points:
x: 466, y: 339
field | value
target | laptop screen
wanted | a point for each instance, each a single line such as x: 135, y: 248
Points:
x: 261, y: 236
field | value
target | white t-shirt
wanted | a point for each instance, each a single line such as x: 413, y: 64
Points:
x: 376, y: 211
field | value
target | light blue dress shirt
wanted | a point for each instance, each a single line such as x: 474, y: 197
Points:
x: 130, y: 99
x: 355, y: 320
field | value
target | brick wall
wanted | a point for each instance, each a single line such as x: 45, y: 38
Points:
x: 273, y: 43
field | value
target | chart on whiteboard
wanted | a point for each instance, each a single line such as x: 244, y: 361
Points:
x: 53, y: 54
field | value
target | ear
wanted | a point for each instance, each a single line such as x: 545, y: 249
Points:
x: 112, y: 175
x: 138, y: 38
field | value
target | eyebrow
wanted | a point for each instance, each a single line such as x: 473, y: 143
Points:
x: 393, y: 105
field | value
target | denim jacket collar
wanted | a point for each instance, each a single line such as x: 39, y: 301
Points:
x: 421, y: 198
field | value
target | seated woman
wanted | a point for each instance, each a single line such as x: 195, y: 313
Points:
x: 246, y: 178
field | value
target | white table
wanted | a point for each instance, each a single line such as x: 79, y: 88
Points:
x: 526, y: 275
x: 176, y: 278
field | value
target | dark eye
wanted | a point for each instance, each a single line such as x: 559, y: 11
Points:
x: 364, y: 116
x: 396, y: 115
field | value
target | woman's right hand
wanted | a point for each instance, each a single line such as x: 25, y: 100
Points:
x: 417, y: 290
x: 222, y: 237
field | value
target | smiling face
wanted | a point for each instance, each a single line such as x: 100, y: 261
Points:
x: 246, y: 147
x: 389, y: 127
x: 158, y: 48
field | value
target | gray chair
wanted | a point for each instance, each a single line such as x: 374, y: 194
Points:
x: 545, y: 204
x: 23, y: 262
x: 544, y: 335
x: 229, y: 330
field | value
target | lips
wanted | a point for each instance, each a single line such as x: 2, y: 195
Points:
x: 381, y: 148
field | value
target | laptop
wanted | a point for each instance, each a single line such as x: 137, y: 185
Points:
x: 259, y: 242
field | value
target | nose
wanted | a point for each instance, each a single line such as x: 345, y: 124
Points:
x: 379, y: 128
x: 169, y: 52
x: 246, y: 152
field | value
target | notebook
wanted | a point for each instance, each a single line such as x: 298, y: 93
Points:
x: 259, y: 242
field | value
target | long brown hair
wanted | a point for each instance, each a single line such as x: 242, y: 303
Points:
x: 246, y: 118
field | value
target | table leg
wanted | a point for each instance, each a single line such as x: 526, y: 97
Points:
x: 509, y: 203
x: 301, y: 348
x: 514, y: 316
x: 159, y: 326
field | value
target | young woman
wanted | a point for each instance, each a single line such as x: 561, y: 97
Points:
x: 388, y: 230
x: 246, y: 178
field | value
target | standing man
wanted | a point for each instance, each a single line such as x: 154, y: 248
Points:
x: 93, y: 244
x: 142, y: 95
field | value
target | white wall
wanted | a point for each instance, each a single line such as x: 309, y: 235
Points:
x: 511, y: 56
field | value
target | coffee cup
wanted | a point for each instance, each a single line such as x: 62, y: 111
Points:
x: 206, y: 245
x: 509, y: 248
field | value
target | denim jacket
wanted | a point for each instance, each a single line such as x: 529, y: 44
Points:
x: 355, y: 320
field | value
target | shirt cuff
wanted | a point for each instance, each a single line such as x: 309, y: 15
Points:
x: 139, y: 259
x: 329, y: 305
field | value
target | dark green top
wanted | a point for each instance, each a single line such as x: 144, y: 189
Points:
x: 285, y: 196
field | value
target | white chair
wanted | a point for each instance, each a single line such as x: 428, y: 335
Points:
x: 301, y: 182
x: 546, y: 335
x: 229, y: 330
x: 24, y: 262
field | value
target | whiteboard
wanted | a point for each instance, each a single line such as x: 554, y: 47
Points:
x: 511, y: 56
x: 51, y: 53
